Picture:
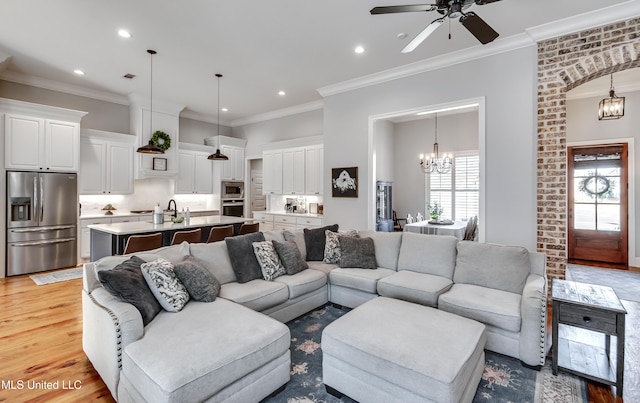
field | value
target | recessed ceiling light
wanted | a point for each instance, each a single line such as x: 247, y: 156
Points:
x: 359, y: 49
x: 282, y: 93
x: 124, y: 33
x: 402, y: 35
x: 224, y: 109
x: 79, y: 72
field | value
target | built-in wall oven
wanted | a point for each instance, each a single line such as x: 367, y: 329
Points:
x: 233, y: 207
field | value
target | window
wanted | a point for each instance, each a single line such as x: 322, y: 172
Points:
x: 457, y: 192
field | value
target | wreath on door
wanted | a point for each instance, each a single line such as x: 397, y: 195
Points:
x: 161, y: 139
x: 596, y: 186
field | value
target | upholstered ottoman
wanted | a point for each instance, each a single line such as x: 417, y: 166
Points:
x: 216, y: 351
x: 387, y: 350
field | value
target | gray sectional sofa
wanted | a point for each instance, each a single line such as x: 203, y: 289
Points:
x: 236, y: 348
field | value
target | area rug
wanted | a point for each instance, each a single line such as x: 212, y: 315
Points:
x: 504, y: 379
x: 625, y: 283
x: 57, y: 276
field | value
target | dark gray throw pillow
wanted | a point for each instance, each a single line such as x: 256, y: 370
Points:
x: 200, y: 282
x: 125, y: 281
x: 315, y: 240
x: 357, y: 252
x: 290, y: 257
x: 243, y: 258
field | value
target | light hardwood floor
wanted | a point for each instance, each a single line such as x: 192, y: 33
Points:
x: 41, y: 341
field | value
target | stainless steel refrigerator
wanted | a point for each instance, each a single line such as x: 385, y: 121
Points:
x: 42, y: 219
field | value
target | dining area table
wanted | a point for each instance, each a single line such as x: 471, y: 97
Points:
x: 455, y: 228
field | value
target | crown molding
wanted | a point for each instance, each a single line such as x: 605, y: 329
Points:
x: 449, y: 59
x: 531, y: 36
x: 40, y: 82
x: 280, y: 113
x: 581, y: 22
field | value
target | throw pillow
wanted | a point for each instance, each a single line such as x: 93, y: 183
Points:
x: 315, y: 240
x: 199, y: 282
x: 357, y: 252
x: 125, y: 281
x: 165, y: 285
x: 297, y: 237
x: 243, y: 260
x: 290, y: 257
x: 268, y: 259
x: 332, y: 246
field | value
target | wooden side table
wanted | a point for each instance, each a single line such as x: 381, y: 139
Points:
x: 595, y: 308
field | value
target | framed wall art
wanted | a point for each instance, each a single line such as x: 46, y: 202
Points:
x: 344, y: 182
x: 159, y: 164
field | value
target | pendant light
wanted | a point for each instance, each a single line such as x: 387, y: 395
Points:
x: 434, y: 163
x: 612, y: 107
x: 218, y: 156
x: 151, y: 148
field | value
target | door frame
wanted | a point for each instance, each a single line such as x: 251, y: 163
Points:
x: 632, y: 260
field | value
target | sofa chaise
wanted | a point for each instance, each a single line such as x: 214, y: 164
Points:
x: 236, y: 348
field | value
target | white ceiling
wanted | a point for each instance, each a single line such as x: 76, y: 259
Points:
x: 261, y: 47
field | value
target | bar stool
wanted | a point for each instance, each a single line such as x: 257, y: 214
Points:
x: 138, y: 243
x: 249, y: 228
x: 220, y: 233
x: 194, y: 236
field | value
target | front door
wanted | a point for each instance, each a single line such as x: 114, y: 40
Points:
x: 598, y: 221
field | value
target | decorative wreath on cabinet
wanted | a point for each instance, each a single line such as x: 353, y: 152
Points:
x: 161, y: 139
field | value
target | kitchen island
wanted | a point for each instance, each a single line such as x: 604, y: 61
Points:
x: 110, y: 239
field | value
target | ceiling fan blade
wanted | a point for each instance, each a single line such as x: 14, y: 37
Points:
x: 403, y: 9
x: 481, y: 2
x: 422, y: 35
x: 480, y: 29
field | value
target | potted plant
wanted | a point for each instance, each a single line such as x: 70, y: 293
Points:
x: 435, y: 211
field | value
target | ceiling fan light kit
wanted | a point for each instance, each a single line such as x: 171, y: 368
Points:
x: 449, y: 9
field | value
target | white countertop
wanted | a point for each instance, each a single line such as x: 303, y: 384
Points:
x: 285, y: 213
x: 127, y: 213
x: 138, y: 227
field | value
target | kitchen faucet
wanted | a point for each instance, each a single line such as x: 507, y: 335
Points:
x: 175, y: 208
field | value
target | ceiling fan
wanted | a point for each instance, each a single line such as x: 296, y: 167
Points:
x: 449, y: 9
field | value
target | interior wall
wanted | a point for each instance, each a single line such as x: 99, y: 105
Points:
x: 384, y: 150
x: 583, y: 125
x: 456, y: 132
x: 102, y: 115
x: 508, y: 83
x: 196, y: 131
x: 300, y: 125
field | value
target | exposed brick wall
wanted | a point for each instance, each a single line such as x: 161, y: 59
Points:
x: 564, y: 63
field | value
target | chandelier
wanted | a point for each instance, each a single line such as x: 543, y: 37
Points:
x: 434, y: 163
x: 612, y: 107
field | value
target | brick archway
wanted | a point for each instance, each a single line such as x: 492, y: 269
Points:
x: 564, y: 63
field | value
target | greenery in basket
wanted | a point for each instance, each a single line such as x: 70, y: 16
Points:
x: 161, y: 139
x: 435, y: 210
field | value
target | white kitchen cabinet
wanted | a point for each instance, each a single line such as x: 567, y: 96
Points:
x: 272, y: 172
x: 233, y: 168
x: 314, y: 169
x: 281, y: 222
x: 106, y: 163
x: 308, y: 222
x: 293, y: 171
x: 37, y: 144
x: 265, y: 220
x: 195, y: 171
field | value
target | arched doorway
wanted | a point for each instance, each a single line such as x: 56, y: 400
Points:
x: 564, y: 63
